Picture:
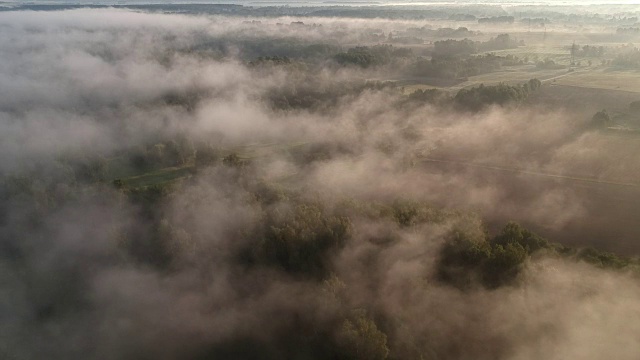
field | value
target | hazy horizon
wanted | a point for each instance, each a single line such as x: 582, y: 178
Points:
x: 337, y: 2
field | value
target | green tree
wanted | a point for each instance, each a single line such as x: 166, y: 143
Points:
x: 515, y: 234
x: 534, y: 84
x: 601, y: 119
x: 504, y: 264
x: 301, y: 241
x: 360, y: 338
x: 233, y: 160
x: 466, y: 259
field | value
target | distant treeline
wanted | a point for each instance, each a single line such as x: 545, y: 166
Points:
x: 466, y: 47
x: 442, y: 32
x: 587, y: 50
x: 462, y: 17
x: 629, y: 60
x: 367, y: 56
x: 251, y: 48
x: 497, y: 19
x: 455, y: 68
x: 535, y: 21
x: 477, y: 98
x: 629, y: 30
x: 450, y: 59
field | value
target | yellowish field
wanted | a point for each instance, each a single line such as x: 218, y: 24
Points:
x: 594, y: 77
x: 558, y: 53
x: 511, y: 75
x: 604, y: 79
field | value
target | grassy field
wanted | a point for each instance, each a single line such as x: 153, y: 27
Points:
x: 558, y: 53
x: 604, y: 79
x: 119, y: 169
x: 508, y: 75
x: 511, y: 75
x: 251, y: 151
x: 158, y: 177
x: 583, y: 100
x: 594, y: 77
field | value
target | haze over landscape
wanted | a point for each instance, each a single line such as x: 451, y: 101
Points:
x: 332, y: 3
x: 319, y: 180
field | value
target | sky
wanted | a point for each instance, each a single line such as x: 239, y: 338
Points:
x: 337, y: 2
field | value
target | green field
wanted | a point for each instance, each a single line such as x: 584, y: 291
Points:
x: 558, y: 53
x: 158, y: 177
x: 594, y: 77
x: 119, y: 169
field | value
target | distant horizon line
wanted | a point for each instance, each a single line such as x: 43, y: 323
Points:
x: 329, y: 3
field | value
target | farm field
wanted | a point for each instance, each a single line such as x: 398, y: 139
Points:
x: 158, y: 177
x: 587, y: 99
x: 127, y: 176
x: 610, y: 208
x: 569, y: 85
x: 604, y: 79
x: 532, y: 53
x: 509, y: 75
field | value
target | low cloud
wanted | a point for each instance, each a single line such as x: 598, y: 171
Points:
x: 82, y: 280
